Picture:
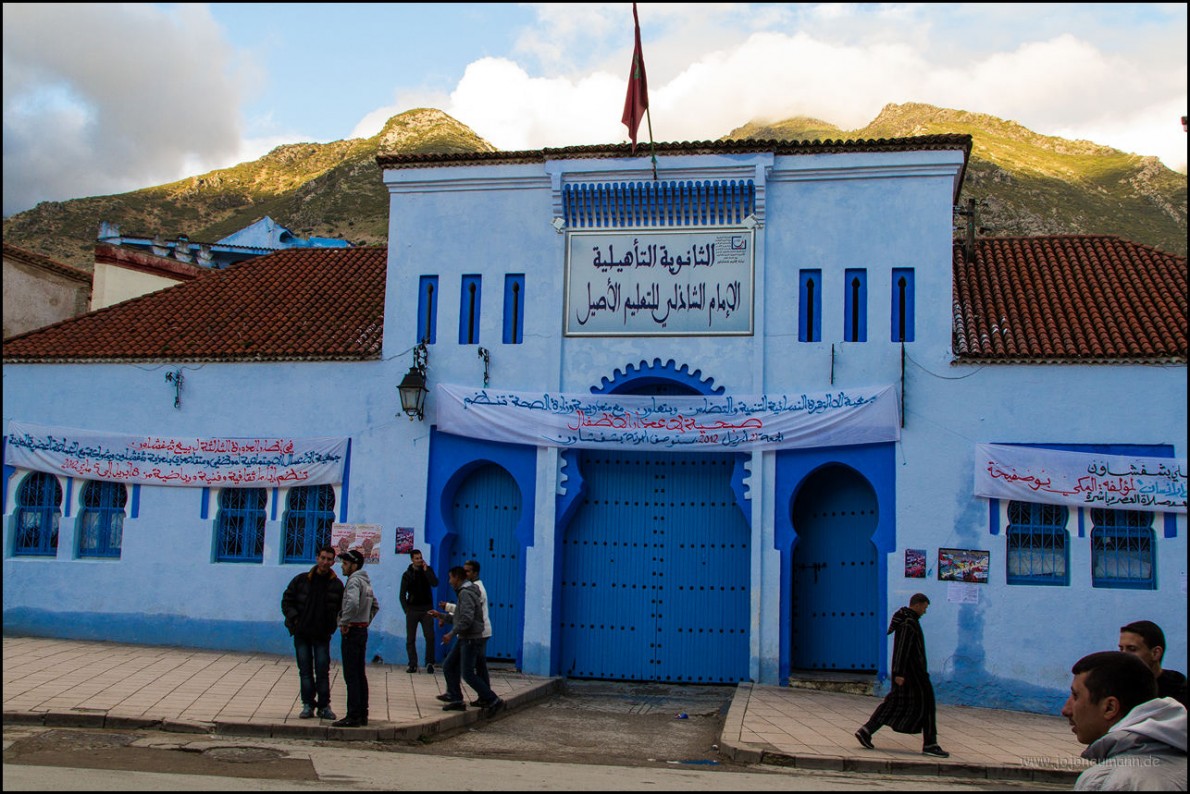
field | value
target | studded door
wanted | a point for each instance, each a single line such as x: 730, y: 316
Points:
x: 834, y: 574
x: 655, y: 571
x: 487, y: 508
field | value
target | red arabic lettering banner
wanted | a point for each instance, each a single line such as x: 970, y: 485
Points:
x: 1079, y: 479
x: 187, y: 462
x: 707, y: 424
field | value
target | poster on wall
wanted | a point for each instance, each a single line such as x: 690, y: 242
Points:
x: 963, y: 565
x: 915, y: 563
x: 404, y: 540
x: 364, y: 538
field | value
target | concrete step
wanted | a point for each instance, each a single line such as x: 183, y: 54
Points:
x: 834, y: 681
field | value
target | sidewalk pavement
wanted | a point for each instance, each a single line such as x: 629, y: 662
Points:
x: 72, y: 683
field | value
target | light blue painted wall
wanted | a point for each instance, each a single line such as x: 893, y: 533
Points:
x: 831, y: 212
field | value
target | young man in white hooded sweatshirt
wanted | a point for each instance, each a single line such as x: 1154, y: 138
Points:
x: 1137, y: 740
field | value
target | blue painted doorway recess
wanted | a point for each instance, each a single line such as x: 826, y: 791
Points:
x: 655, y: 571
x: 487, y: 507
x: 834, y: 574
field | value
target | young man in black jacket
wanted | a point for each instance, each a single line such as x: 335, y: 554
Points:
x: 417, y: 599
x: 311, y: 607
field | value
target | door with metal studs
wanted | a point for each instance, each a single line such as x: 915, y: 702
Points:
x: 486, y: 510
x: 834, y: 574
x: 655, y: 571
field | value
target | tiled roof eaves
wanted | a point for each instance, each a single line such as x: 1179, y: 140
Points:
x: 322, y: 304
x: 971, y: 360
x: 245, y: 359
x: 624, y: 150
x: 38, y: 260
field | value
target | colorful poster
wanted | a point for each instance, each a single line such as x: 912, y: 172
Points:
x: 963, y: 565
x: 915, y: 563
x: 1080, y: 479
x: 404, y: 540
x: 196, y: 462
x: 364, y: 538
x: 706, y: 423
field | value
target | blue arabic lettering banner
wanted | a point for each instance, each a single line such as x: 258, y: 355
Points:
x: 707, y: 424
x: 187, y: 462
x: 1079, y: 479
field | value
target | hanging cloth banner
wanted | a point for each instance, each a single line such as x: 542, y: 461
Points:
x: 1079, y: 479
x: 192, y: 462
x: 705, y: 423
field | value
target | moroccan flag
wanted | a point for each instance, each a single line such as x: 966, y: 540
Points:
x: 637, y: 101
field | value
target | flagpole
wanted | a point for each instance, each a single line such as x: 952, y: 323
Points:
x: 652, y: 146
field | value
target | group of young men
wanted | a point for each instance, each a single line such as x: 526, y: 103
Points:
x: 1127, y: 709
x: 316, y: 604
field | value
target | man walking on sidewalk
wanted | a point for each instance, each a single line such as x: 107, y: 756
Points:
x: 909, y: 707
x: 468, y: 625
x: 417, y: 599
x: 311, y: 608
x: 359, y: 607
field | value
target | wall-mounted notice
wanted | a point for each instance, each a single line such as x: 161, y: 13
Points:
x: 659, y: 283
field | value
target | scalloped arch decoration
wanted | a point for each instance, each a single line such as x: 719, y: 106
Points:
x: 635, y: 376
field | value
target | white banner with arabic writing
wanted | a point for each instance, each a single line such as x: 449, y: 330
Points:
x: 159, y: 460
x: 1079, y: 479
x: 659, y: 283
x: 707, y: 424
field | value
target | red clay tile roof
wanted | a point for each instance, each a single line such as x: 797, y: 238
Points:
x: 1068, y: 299
x: 145, y: 262
x: 1073, y: 299
x: 616, y: 150
x: 296, y: 305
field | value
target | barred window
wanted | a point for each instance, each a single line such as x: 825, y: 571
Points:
x: 39, y: 509
x: 309, y: 513
x: 1038, y: 553
x: 239, y: 526
x: 101, y: 522
x: 1122, y: 549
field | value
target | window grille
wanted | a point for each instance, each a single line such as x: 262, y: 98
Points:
x: 672, y: 203
x: 240, y: 525
x: 809, y: 327
x: 101, y: 522
x: 39, y: 500
x: 309, y: 513
x: 1122, y: 549
x: 1038, y: 552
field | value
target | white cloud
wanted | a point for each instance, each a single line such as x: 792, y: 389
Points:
x: 104, y: 98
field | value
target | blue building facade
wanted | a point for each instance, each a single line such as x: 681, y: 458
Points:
x: 784, y: 271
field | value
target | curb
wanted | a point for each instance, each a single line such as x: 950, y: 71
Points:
x: 422, y: 730
x: 731, y: 747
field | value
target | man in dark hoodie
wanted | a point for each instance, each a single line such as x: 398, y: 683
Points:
x: 1145, y: 640
x: 417, y: 599
x: 909, y: 707
x: 311, y: 608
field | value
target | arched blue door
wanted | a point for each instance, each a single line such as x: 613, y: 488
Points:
x: 655, y: 571
x: 486, y: 510
x: 834, y: 573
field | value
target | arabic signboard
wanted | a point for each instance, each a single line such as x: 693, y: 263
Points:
x: 187, y: 462
x: 1078, y: 479
x: 659, y: 283
x: 706, y: 424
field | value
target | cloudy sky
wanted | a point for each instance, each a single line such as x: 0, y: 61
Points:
x: 106, y: 98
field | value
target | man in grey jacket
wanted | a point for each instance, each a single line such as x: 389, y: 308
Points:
x: 359, y: 607
x: 1137, y: 740
x: 467, y: 629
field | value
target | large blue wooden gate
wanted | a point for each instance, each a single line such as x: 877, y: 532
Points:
x: 487, y: 507
x: 655, y: 571
x: 834, y: 574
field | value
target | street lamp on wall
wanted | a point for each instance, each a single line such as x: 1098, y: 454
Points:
x: 413, y: 385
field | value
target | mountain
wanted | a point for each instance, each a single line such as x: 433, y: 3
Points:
x: 321, y: 189
x: 1029, y: 183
